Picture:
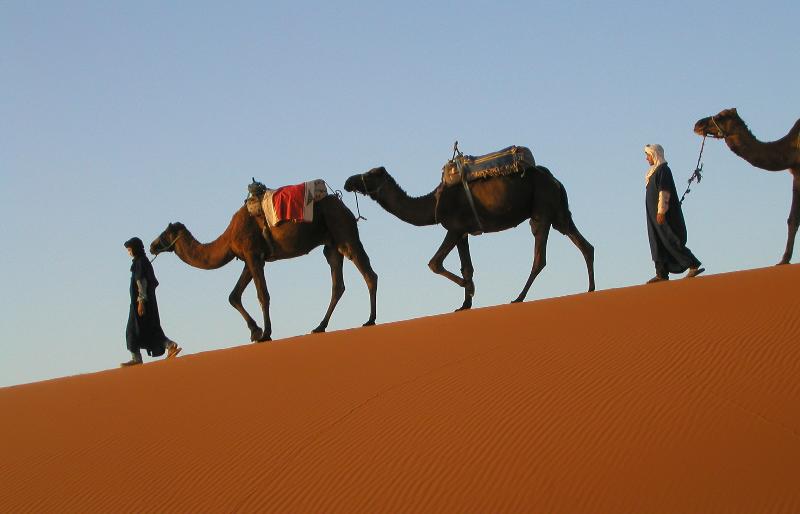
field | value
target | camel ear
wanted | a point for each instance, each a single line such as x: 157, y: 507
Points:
x: 734, y: 111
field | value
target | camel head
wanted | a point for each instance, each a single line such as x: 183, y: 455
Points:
x: 369, y: 183
x: 718, y: 126
x: 166, y: 241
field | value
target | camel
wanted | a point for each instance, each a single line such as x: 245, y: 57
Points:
x: 334, y: 227
x: 777, y: 155
x: 501, y: 203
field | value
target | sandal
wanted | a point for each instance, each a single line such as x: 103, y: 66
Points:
x: 694, y: 272
x: 173, y: 350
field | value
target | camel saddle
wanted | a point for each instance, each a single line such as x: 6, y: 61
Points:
x: 466, y: 168
x: 288, y: 203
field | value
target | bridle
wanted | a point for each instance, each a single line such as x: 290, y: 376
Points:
x: 376, y: 190
x: 368, y: 193
x: 722, y: 132
x: 165, y: 248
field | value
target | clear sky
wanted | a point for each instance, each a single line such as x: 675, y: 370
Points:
x: 119, y: 117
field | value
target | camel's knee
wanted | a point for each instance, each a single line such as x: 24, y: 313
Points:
x: 372, y: 280
x: 235, y: 299
x: 589, y: 252
x: 435, y: 266
x: 338, y: 290
x: 263, y: 299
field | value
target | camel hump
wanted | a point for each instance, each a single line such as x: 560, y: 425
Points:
x: 509, y: 160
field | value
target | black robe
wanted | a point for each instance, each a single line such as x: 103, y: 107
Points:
x: 667, y: 241
x: 144, y: 332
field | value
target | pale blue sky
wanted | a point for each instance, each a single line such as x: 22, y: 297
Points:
x: 120, y: 117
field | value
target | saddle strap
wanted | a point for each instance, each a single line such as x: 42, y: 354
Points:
x: 469, y: 195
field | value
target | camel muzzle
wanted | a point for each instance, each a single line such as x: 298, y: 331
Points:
x: 351, y: 183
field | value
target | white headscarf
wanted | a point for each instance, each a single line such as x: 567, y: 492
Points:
x: 657, y: 153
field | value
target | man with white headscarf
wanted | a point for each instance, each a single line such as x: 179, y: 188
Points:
x: 666, y: 227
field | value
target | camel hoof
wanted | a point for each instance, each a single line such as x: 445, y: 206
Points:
x: 370, y: 323
x: 265, y: 340
x: 256, y: 334
x: 518, y: 300
x: 319, y: 330
x: 782, y: 263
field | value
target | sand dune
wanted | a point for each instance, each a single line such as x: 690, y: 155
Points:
x: 676, y: 397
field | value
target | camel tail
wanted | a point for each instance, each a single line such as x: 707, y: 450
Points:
x: 563, y: 219
x: 565, y: 225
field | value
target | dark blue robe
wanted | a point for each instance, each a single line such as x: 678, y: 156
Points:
x: 144, y: 332
x: 667, y: 241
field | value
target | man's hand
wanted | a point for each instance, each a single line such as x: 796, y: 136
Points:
x: 140, y: 308
x: 661, y: 218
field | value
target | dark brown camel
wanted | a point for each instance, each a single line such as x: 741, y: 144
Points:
x: 783, y: 154
x: 334, y: 227
x: 501, y: 202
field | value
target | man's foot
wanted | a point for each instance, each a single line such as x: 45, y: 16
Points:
x: 693, y: 272
x: 132, y: 362
x: 657, y: 279
x: 173, y: 350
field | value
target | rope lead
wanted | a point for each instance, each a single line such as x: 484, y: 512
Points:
x: 697, y: 173
x: 360, y: 217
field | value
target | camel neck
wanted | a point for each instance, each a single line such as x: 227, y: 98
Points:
x: 419, y: 211
x: 211, y: 255
x: 771, y: 156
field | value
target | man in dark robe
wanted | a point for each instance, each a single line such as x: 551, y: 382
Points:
x: 666, y: 227
x: 144, y: 325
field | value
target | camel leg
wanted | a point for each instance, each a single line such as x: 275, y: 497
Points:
x: 256, y: 266
x: 466, y: 271
x: 794, y: 218
x: 540, y: 229
x: 346, y: 240
x: 335, y: 261
x: 436, y: 263
x: 235, y: 299
x: 586, y: 249
x: 356, y: 253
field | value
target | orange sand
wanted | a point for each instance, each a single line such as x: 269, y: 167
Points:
x: 590, y: 403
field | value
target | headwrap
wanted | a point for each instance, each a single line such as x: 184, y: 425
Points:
x: 657, y: 153
x: 136, y: 245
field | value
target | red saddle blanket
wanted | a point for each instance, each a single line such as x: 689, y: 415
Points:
x: 289, y: 203
x: 293, y: 203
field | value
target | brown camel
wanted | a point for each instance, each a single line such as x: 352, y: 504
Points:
x: 501, y: 203
x: 334, y: 227
x: 783, y: 154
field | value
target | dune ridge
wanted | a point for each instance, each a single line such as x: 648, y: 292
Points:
x: 673, y: 397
